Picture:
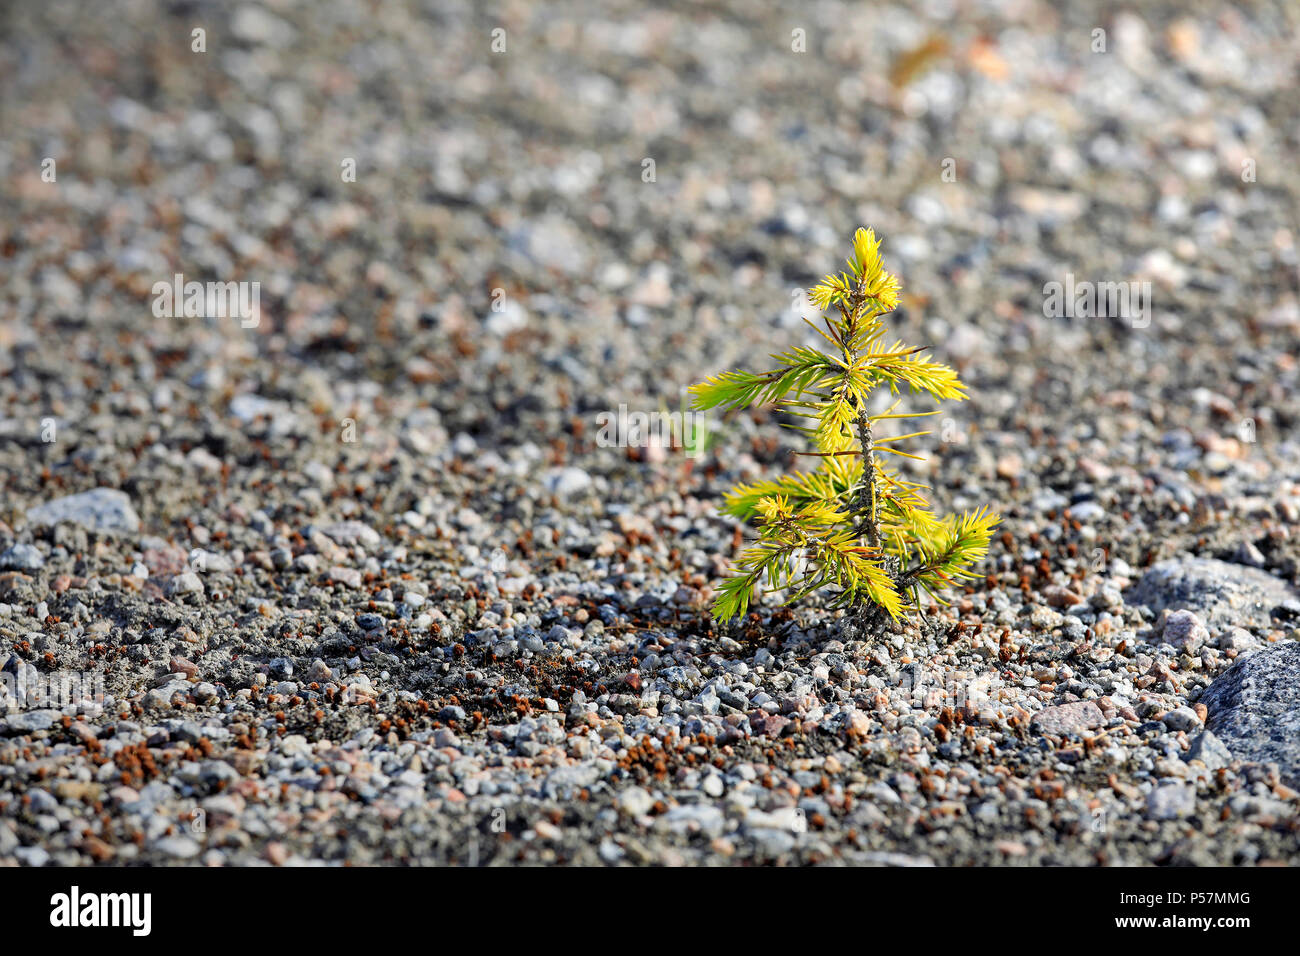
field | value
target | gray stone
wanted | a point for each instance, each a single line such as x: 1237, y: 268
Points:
x: 180, y: 847
x: 1209, y: 750
x: 29, y: 722
x: 1171, y: 801
x: 1247, y: 553
x: 566, y: 482
x: 1183, y: 629
x: 1181, y: 718
x: 32, y: 855
x: 42, y: 801
x: 254, y: 25
x: 886, y: 858
x: 1220, y: 593
x: 1254, y: 708
x: 349, y: 577
x: 1069, y: 718
x: 563, y: 783
x: 22, y: 557
x: 103, y: 509
x: 784, y: 818
x: 185, y: 583
x: 1106, y: 598
x: 773, y: 843
x: 704, y: 818
x: 882, y: 792
x: 217, y: 774
x: 349, y: 533
x: 635, y: 802
x: 319, y: 671
x: 8, y: 840
x: 1087, y: 511
x: 161, y: 698
x: 1239, y: 640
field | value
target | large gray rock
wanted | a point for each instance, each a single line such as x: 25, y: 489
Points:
x: 105, y: 510
x: 1221, y: 593
x: 1254, y: 708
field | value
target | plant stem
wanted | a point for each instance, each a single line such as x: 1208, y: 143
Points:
x: 870, y: 617
x: 867, y: 497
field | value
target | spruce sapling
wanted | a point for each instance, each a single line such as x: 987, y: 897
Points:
x: 852, y: 527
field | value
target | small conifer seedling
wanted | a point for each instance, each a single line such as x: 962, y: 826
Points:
x: 852, y: 527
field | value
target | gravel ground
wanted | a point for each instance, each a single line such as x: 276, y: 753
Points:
x: 359, y: 583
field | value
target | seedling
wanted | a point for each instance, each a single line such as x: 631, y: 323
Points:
x: 852, y: 527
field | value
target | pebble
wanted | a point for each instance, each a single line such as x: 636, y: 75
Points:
x: 1073, y: 718
x: 566, y: 482
x: 104, y: 510
x: 1210, y: 750
x: 1181, y: 718
x: 349, y: 577
x: 1238, y: 640
x: 635, y: 801
x: 1183, y: 630
x: 178, y: 847
x: 21, y: 557
x: 29, y: 722
x: 187, y: 583
x: 1171, y: 801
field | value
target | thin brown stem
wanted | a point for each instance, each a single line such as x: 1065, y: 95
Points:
x: 867, y: 497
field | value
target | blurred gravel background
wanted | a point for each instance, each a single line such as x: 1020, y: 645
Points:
x: 363, y: 586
